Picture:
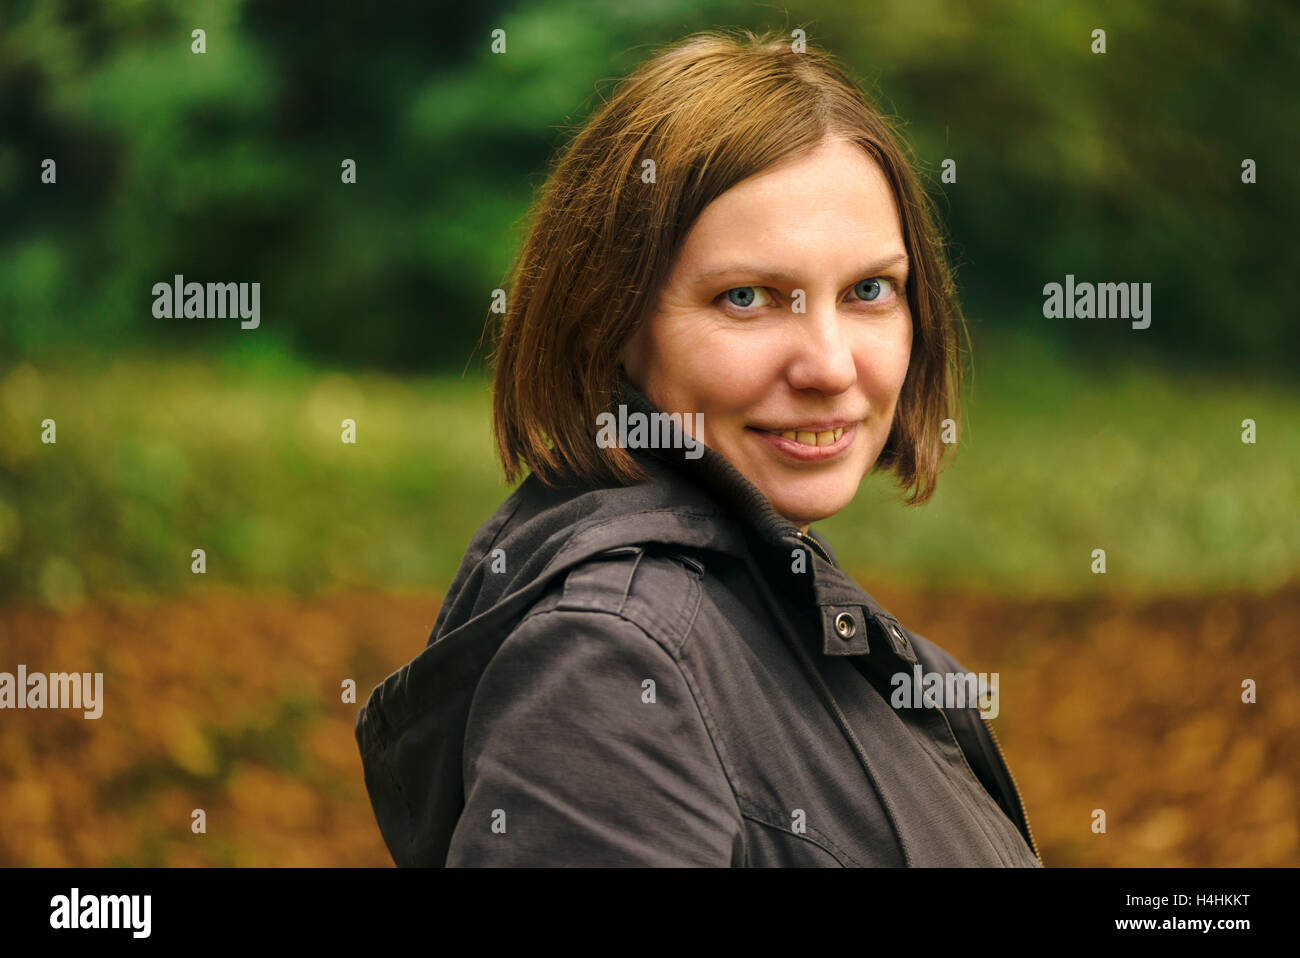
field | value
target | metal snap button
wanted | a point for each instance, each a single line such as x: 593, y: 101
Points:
x: 904, y: 647
x: 845, y: 626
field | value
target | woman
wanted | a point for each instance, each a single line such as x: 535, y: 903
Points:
x: 647, y: 657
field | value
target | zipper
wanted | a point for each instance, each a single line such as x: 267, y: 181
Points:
x: 804, y: 537
x: 1016, y: 788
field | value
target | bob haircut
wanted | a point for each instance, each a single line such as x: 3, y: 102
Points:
x: 710, y: 110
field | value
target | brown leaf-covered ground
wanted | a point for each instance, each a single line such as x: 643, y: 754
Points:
x: 231, y: 703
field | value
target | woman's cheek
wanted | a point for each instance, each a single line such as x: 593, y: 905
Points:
x: 892, y: 361
x: 712, y: 367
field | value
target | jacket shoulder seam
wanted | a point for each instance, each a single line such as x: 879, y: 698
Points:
x: 625, y: 598
x: 589, y: 526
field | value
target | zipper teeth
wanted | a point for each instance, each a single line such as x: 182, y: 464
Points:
x: 1019, y: 801
x: 813, y: 542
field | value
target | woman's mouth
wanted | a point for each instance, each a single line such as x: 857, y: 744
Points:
x: 814, y: 438
x: 811, y: 444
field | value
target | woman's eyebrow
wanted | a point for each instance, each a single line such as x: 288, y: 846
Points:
x: 781, y: 276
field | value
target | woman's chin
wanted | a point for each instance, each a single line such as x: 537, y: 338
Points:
x: 811, y: 503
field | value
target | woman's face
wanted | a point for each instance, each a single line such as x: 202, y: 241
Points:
x: 787, y: 312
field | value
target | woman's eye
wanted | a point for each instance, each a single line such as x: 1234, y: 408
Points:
x: 876, y: 289
x: 871, y: 290
x: 744, y: 296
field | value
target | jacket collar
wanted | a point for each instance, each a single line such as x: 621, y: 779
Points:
x: 802, y: 562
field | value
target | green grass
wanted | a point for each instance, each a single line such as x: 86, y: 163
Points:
x: 156, y: 458
x: 241, y: 456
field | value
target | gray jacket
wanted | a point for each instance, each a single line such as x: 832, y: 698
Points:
x: 670, y: 673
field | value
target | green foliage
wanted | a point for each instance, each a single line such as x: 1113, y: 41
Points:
x: 157, y: 458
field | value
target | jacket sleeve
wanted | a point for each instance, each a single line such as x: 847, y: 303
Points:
x: 570, y: 761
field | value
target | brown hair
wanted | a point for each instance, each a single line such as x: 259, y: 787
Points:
x: 710, y: 110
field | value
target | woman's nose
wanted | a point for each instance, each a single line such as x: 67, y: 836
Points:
x: 823, y: 354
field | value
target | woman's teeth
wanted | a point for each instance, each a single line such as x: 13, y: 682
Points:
x: 815, y: 438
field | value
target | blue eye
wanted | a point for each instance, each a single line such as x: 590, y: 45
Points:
x: 870, y: 290
x: 742, y: 296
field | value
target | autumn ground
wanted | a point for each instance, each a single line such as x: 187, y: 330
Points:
x: 231, y: 703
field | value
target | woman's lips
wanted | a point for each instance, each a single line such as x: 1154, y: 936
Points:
x: 804, y: 452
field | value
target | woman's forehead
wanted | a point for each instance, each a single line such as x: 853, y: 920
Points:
x: 783, y: 237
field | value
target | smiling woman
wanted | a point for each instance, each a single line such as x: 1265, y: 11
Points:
x: 797, y: 387
x: 647, y: 656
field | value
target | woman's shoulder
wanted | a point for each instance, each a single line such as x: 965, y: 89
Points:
x: 654, y: 587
